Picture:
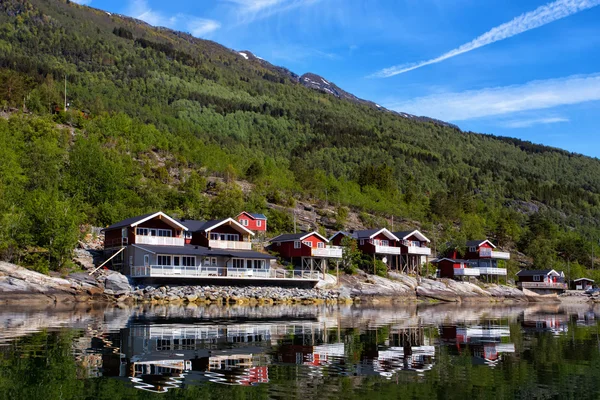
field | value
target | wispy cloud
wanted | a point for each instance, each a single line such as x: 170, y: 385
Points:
x: 196, y: 26
x: 256, y: 5
x: 533, y: 95
x: 527, y: 123
x: 534, y: 19
x: 251, y: 10
x: 83, y: 2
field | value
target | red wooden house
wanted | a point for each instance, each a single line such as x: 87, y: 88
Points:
x: 375, y: 242
x: 253, y: 222
x: 454, y: 268
x: 306, y: 251
x: 414, y: 250
x: 547, y: 281
x: 482, y: 256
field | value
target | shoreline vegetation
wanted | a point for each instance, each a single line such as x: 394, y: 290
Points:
x: 20, y: 286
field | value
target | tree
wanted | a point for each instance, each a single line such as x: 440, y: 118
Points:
x: 228, y: 203
x: 351, y: 255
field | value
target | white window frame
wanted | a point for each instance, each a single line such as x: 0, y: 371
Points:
x: 297, y: 244
x: 158, y: 260
x: 472, y: 249
x: 244, y: 222
x: 188, y: 261
x: 146, y: 260
x: 307, y: 243
x: 536, y: 278
x: 142, y: 231
x: 362, y: 242
x: 258, y: 223
x: 320, y: 245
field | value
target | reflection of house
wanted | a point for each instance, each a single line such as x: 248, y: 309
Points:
x: 485, y: 343
x: 306, y: 251
x: 158, y: 246
x: 546, y: 281
x: 554, y: 323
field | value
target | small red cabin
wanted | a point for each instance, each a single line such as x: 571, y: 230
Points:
x: 253, y: 222
x: 298, y: 244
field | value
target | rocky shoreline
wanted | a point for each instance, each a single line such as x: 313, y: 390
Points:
x: 22, y: 286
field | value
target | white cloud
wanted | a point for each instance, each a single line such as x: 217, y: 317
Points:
x: 201, y: 26
x: 196, y: 26
x: 505, y: 100
x: 83, y: 2
x: 534, y: 19
x: 251, y: 10
x: 526, y: 123
x: 256, y: 5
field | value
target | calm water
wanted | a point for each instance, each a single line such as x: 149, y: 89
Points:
x: 442, y: 351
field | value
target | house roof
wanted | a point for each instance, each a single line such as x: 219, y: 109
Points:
x: 406, y: 234
x: 348, y: 234
x: 532, y: 272
x: 202, y: 226
x: 190, y: 250
x: 583, y: 279
x: 371, y: 233
x: 477, y: 243
x: 134, y: 221
x: 289, y: 237
x: 253, y: 215
x: 453, y: 260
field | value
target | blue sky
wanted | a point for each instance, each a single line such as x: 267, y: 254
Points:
x: 521, y: 68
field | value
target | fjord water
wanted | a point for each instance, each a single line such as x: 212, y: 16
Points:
x: 301, y: 352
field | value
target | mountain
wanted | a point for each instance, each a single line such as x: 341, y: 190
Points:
x: 155, y: 115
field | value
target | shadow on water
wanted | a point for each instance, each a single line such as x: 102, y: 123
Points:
x: 417, y: 351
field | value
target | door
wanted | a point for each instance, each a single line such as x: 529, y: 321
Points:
x: 177, y: 265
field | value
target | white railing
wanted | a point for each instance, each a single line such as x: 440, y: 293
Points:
x: 466, y: 271
x: 492, y: 271
x: 387, y: 250
x: 220, y: 272
x: 425, y: 251
x: 543, y: 285
x: 328, y: 251
x: 501, y: 255
x: 230, y: 244
x: 159, y: 240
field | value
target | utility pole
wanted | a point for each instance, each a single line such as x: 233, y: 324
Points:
x: 294, y: 221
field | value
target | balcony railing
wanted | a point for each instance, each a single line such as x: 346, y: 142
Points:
x: 169, y: 271
x: 492, y: 271
x: 328, y: 251
x: 486, y: 252
x: 387, y: 250
x: 424, y: 251
x: 466, y: 271
x: 230, y: 245
x: 159, y: 240
x: 542, y: 285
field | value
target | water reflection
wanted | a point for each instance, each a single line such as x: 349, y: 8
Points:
x: 159, y: 349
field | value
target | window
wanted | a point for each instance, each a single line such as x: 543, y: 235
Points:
x: 146, y: 260
x: 130, y: 261
x: 379, y: 242
x: 362, y: 242
x: 244, y: 222
x: 225, y: 236
x: 259, y: 223
x: 306, y: 242
x: 297, y: 245
x: 188, y: 234
x: 188, y: 261
x: 164, y: 260
x: 142, y: 231
x: 238, y: 263
x: 321, y: 245
x: 164, y: 232
x: 472, y: 249
x: 176, y: 260
x: 536, y: 278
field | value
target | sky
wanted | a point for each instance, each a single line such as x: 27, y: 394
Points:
x: 519, y: 68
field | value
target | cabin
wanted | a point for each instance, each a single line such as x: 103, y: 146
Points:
x: 159, y: 247
x: 484, y: 256
x: 254, y: 222
x: 454, y: 268
x: 546, y: 281
x: 378, y: 243
x: 305, y: 251
x: 583, y: 284
x: 414, y: 251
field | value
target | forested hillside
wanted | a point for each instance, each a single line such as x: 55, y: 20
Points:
x: 154, y: 112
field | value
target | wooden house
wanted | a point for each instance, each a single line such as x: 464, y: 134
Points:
x: 306, y: 251
x: 455, y: 268
x: 547, y: 281
x: 254, y: 222
x: 414, y: 251
x: 583, y: 284
x: 378, y: 243
x: 482, y: 256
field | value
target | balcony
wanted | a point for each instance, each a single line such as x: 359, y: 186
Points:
x: 229, y: 245
x: 169, y: 271
x: 328, y: 252
x: 424, y: 251
x: 387, y: 250
x: 159, y: 240
x: 492, y: 271
x: 543, y: 285
x: 466, y: 271
x: 489, y: 253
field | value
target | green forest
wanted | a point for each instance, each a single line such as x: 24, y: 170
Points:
x: 153, y: 113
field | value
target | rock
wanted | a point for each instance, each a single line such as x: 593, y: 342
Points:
x: 191, y: 298
x: 118, y: 283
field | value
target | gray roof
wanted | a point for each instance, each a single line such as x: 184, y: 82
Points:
x: 475, y: 243
x: 198, y: 226
x: 583, y: 279
x: 191, y: 250
x: 532, y: 272
x: 402, y: 234
x: 288, y: 237
x: 366, y: 234
x: 127, y: 222
x: 258, y: 216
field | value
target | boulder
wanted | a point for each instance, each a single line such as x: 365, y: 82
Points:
x: 118, y: 283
